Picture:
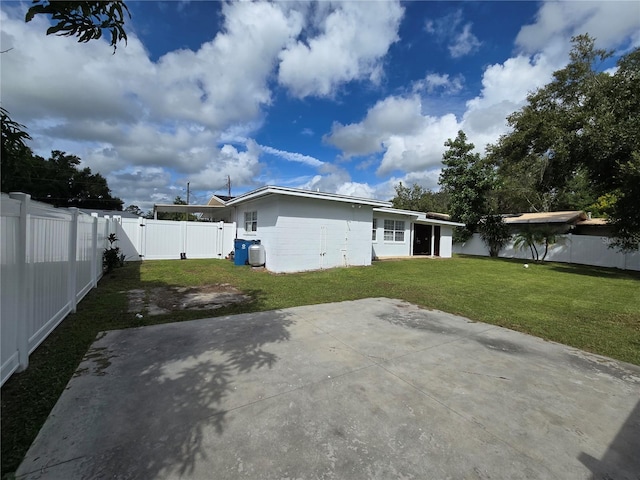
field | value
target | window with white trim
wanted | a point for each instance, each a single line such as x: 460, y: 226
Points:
x: 394, y: 230
x: 374, y: 231
x: 250, y: 221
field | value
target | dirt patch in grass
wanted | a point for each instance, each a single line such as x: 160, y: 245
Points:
x: 163, y: 300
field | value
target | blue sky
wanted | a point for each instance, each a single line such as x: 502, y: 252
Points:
x: 346, y: 97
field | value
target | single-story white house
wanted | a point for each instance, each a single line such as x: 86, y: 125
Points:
x: 306, y: 230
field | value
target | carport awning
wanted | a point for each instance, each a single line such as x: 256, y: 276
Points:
x: 205, y: 209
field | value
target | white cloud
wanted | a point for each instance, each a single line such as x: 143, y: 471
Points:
x: 242, y: 166
x: 225, y: 81
x: 395, y: 125
x: 125, y: 113
x: 293, y: 156
x: 411, y: 141
x: 355, y: 189
x: 452, y: 30
x: 329, y: 179
x: 390, y: 116
x: 464, y: 43
x: 556, y: 22
x: 439, y: 82
x: 420, y: 151
x: 353, y: 38
x: 147, y: 185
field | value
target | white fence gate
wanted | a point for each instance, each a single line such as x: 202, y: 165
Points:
x: 50, y: 258
x: 143, y: 239
x: 582, y: 249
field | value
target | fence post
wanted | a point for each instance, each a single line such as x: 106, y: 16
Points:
x: 220, y: 240
x: 183, y: 231
x: 25, y: 302
x: 94, y: 251
x: 73, y: 264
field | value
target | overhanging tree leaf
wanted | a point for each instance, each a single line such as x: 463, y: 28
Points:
x: 84, y: 20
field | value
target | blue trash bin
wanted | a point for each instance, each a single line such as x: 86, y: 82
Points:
x: 241, y: 251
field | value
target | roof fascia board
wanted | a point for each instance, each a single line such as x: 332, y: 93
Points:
x: 419, y: 217
x: 269, y: 190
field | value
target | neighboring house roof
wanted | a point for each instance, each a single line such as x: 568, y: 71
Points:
x: 172, y: 208
x: 593, y: 222
x: 570, y: 217
x: 219, y: 200
x: 421, y: 217
x: 295, y: 192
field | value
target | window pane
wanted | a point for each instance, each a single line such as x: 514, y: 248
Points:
x: 251, y: 221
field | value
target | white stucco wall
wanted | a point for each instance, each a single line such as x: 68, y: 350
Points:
x: 382, y: 248
x: 309, y: 234
x: 446, y: 241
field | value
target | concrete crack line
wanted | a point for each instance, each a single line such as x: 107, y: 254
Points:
x: 53, y: 465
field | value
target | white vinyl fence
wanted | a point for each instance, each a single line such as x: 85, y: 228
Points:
x: 143, y: 239
x: 582, y: 249
x: 50, y: 258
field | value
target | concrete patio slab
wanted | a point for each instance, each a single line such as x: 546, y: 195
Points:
x: 369, y: 389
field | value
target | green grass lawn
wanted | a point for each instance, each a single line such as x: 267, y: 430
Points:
x: 591, y: 308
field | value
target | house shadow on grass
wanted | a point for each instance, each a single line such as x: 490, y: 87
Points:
x: 622, y: 459
x: 156, y: 396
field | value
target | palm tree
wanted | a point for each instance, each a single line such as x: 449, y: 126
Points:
x: 527, y: 238
x: 533, y: 237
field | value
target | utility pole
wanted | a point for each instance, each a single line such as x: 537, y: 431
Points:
x: 188, y: 200
x: 228, y: 185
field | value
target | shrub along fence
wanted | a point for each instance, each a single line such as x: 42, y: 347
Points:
x: 52, y: 257
x: 581, y: 249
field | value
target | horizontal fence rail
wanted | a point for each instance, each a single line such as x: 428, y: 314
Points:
x: 581, y: 249
x: 52, y: 257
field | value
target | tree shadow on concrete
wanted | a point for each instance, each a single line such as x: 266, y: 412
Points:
x: 164, y: 390
x: 622, y: 458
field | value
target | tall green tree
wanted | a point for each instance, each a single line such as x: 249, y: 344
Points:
x: 135, y: 210
x: 420, y: 199
x: 58, y: 181
x: 468, y: 180
x: 584, y: 122
x: 494, y: 233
